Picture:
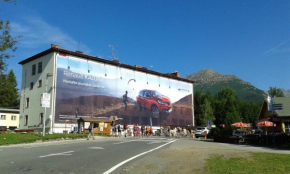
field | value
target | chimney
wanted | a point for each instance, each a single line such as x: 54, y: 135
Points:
x: 54, y: 46
x: 80, y: 52
x: 138, y: 66
x: 176, y: 74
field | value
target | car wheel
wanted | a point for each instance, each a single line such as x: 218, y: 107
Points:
x: 139, y: 107
x: 155, y: 111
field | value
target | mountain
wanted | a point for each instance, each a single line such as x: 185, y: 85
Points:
x: 209, y: 80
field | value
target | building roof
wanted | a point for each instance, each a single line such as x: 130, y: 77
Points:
x: 55, y: 48
x: 285, y: 101
x: 9, y: 110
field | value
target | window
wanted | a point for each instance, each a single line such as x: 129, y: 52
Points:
x: 39, y: 67
x: 39, y: 83
x: 41, y: 118
x: 27, y: 103
x: 33, y: 69
x: 31, y: 85
x: 287, y: 127
x: 26, y: 120
x: 3, y: 117
x: 13, y: 117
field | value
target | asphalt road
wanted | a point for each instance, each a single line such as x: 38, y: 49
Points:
x: 103, y: 155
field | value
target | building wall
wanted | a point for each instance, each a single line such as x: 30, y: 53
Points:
x: 8, y: 122
x: 35, y: 109
x: 50, y: 65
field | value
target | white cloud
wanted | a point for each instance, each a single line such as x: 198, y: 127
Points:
x: 36, y: 32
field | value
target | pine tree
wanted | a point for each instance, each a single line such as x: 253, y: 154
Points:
x: 8, y: 91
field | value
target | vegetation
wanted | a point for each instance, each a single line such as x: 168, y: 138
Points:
x: 8, y: 90
x: 276, y: 92
x: 257, y: 163
x: 30, y: 138
x: 223, y: 108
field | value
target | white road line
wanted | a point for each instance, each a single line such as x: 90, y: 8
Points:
x: 136, y: 156
x: 28, y: 147
x: 120, y: 142
x: 96, y: 148
x: 63, y: 153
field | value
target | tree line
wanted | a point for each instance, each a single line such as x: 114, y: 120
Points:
x: 226, y: 108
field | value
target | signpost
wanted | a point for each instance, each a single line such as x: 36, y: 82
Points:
x: 45, y: 102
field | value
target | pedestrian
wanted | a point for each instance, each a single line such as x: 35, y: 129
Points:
x: 151, y: 131
x: 125, y: 99
x: 125, y: 129
x: 134, y: 130
x: 147, y: 130
x: 168, y: 131
x: 91, y: 132
x: 142, y: 130
x: 119, y: 130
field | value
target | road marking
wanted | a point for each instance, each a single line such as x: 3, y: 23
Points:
x: 96, y: 148
x: 155, y: 142
x: 120, y: 142
x: 136, y: 156
x: 63, y: 153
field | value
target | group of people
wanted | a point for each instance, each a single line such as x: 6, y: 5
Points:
x: 135, y: 131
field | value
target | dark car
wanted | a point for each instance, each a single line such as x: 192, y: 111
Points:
x: 153, y: 100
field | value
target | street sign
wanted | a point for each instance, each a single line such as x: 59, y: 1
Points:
x: 45, y: 102
x: 208, y: 122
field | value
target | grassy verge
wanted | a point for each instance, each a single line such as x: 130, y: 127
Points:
x: 29, y: 138
x: 258, y: 163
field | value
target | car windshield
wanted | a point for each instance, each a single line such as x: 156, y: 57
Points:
x: 155, y: 93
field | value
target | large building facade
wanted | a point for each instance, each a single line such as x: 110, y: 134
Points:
x: 90, y: 87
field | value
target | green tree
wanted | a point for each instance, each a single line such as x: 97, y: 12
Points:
x: 226, y: 107
x: 199, y: 101
x: 7, y: 42
x: 275, y: 92
x: 206, y: 112
x: 9, y: 92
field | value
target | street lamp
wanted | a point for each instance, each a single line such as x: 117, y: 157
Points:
x: 47, y: 75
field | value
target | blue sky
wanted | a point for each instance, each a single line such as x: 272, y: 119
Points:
x: 249, y: 39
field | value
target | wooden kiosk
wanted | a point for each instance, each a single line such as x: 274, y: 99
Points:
x: 102, y: 125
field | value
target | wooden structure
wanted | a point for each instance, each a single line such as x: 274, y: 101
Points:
x: 102, y: 125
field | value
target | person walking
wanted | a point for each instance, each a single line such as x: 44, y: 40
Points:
x: 142, y: 130
x: 119, y: 130
x: 147, y: 130
x: 91, y: 132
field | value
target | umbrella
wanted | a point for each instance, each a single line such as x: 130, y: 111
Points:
x: 240, y: 124
x: 265, y: 124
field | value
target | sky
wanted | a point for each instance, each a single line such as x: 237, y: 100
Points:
x: 249, y: 39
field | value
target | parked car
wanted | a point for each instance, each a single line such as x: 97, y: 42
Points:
x: 201, y: 131
x: 239, y: 133
x: 154, y: 101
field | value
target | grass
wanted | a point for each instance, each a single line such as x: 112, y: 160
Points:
x: 10, y: 138
x: 258, y: 163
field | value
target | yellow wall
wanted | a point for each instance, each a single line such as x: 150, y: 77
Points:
x: 8, y: 122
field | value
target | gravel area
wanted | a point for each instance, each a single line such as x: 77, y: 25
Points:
x: 188, y: 156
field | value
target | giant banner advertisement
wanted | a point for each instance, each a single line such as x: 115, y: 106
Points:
x: 86, y: 88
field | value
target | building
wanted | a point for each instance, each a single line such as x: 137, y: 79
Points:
x: 83, y: 86
x: 281, y: 117
x: 9, y: 118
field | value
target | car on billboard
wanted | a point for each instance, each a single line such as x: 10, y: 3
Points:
x: 154, y: 101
